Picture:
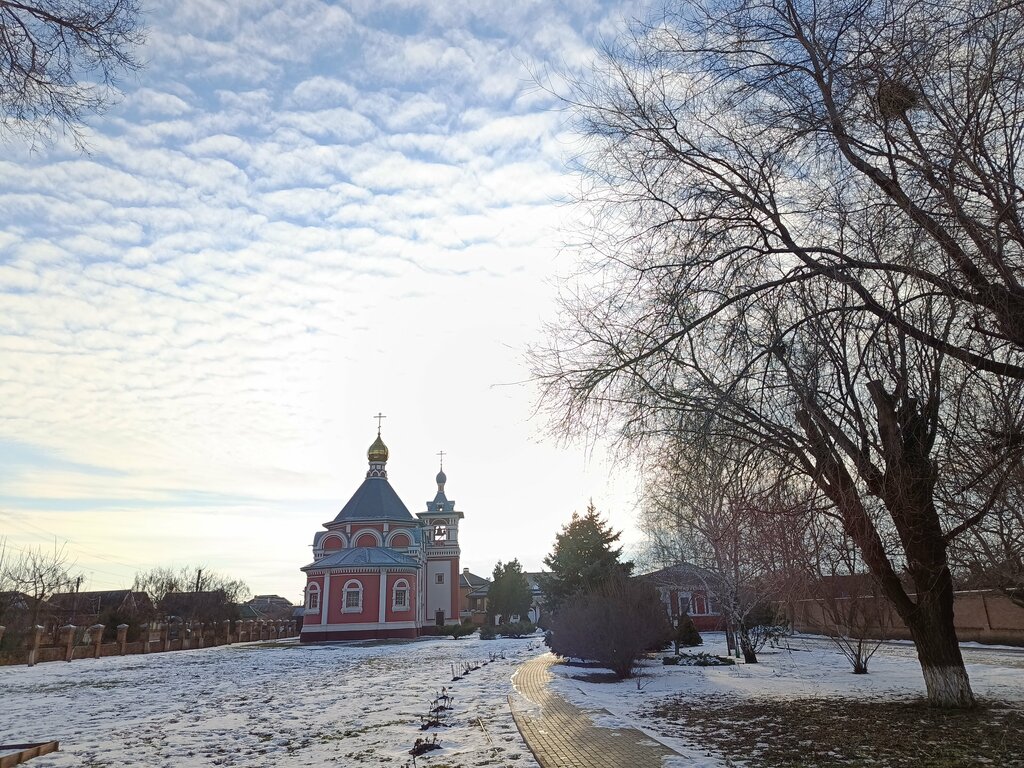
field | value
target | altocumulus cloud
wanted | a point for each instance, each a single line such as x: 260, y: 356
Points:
x: 297, y: 212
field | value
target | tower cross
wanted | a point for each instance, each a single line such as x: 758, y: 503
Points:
x: 379, y: 417
x: 441, y: 454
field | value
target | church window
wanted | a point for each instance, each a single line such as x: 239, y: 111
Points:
x: 440, y: 532
x: 368, y: 539
x: 313, y: 597
x: 352, y: 597
x: 400, y: 596
x: 686, y: 603
x: 699, y: 606
x: 439, y: 578
x: 400, y: 541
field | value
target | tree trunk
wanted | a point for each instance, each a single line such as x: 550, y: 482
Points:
x: 749, y: 655
x: 938, y: 650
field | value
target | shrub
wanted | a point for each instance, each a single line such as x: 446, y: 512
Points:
x: 487, y: 632
x: 460, y: 630
x: 614, y: 625
x: 517, y: 629
x: 704, y: 660
x: 686, y: 632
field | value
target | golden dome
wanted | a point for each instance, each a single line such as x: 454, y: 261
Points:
x: 378, y: 451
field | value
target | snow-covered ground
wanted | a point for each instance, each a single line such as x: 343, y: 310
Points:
x: 811, y: 668
x: 252, y: 705
x: 290, y: 705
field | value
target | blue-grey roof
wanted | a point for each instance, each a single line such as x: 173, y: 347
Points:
x: 375, y: 499
x: 372, y: 557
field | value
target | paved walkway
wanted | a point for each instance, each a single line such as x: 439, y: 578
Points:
x: 561, y: 735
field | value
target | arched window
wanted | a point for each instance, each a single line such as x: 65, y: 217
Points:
x: 313, y: 597
x: 440, y: 531
x: 367, y: 538
x: 352, y: 597
x: 399, y: 541
x: 331, y: 543
x: 400, y: 596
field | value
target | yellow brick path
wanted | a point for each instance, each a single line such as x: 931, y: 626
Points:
x: 561, y: 735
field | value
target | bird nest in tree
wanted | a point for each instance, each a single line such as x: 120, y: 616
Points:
x: 896, y: 98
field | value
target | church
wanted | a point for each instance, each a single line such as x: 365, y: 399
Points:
x: 379, y: 572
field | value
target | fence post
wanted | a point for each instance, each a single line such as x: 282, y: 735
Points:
x: 122, y: 638
x: 199, y: 624
x: 144, y: 629
x: 68, y: 631
x: 185, y: 630
x: 96, y: 637
x: 227, y: 631
x: 166, y: 631
x: 37, y: 638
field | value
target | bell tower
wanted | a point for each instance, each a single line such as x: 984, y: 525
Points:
x: 440, y: 524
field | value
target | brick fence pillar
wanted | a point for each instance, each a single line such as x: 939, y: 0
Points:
x: 122, y: 638
x: 2, y: 630
x: 33, y: 645
x: 199, y: 629
x: 144, y: 634
x: 96, y: 637
x: 227, y: 631
x: 68, y: 637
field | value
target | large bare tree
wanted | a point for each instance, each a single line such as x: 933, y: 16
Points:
x: 59, y: 61
x: 800, y: 229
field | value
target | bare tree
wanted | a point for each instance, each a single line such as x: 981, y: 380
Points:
x: 161, y: 581
x: 713, y: 503
x: 40, y: 574
x: 992, y: 555
x: 60, y: 60
x: 853, y: 612
x: 798, y: 227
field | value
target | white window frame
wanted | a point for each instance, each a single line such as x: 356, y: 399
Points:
x: 313, y: 597
x: 352, y: 586
x: 400, y: 586
x: 684, y: 602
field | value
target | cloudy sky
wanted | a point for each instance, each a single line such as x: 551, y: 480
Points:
x: 300, y: 214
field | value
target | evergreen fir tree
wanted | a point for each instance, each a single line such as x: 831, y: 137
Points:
x: 584, y: 558
x: 509, y: 593
x: 686, y: 632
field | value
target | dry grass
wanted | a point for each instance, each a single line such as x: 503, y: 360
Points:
x: 812, y: 732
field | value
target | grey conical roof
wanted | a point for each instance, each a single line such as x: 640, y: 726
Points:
x: 375, y: 499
